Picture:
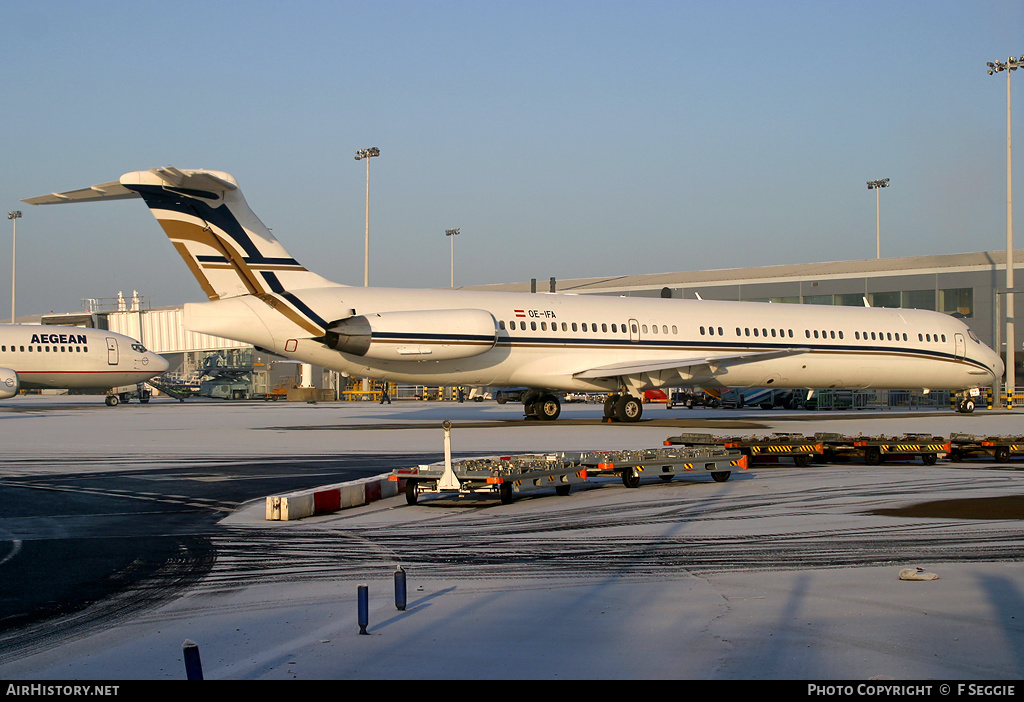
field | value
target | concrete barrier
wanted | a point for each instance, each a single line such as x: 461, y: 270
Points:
x: 329, y: 498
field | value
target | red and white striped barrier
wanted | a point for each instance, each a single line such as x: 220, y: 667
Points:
x: 330, y: 498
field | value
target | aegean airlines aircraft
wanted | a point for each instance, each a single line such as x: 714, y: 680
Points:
x: 37, y: 356
x: 259, y: 294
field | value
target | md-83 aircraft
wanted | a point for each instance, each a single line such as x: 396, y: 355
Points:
x: 39, y: 356
x: 259, y: 294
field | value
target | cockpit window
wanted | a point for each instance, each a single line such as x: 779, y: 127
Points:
x: 974, y: 336
x: 139, y: 347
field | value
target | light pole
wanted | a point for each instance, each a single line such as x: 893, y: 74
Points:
x: 1011, y: 64
x: 14, y: 217
x: 452, y: 233
x: 367, y: 154
x: 877, y: 186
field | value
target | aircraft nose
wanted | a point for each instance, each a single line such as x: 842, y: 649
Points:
x: 159, y: 363
x: 998, y: 368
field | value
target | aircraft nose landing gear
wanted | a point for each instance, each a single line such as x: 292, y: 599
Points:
x: 965, y: 403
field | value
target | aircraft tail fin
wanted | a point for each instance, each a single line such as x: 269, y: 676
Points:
x: 225, y: 245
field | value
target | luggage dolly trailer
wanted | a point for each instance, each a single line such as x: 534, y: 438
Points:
x: 874, y: 450
x: 801, y: 449
x: 664, y: 462
x: 1001, y: 448
x: 505, y: 475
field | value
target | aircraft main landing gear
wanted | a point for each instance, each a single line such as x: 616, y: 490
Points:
x: 623, y: 408
x: 542, y: 405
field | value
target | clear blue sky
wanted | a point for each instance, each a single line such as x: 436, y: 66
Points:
x: 563, y: 138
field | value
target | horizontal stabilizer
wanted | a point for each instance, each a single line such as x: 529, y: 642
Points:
x: 104, y: 191
x: 167, y: 176
x: 715, y: 363
x: 224, y: 244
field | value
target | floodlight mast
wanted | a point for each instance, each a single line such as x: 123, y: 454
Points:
x: 367, y: 154
x: 1011, y: 64
x: 877, y: 185
x: 452, y: 233
x: 14, y: 217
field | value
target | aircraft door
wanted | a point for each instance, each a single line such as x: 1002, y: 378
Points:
x: 111, y: 351
x: 960, y: 349
x: 634, y: 330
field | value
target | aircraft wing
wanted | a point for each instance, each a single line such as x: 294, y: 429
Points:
x: 714, y: 363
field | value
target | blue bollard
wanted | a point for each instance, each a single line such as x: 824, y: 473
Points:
x: 364, y: 608
x: 400, y: 589
x: 193, y: 666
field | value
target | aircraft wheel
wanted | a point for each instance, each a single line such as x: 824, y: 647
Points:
x: 609, y: 406
x: 628, y: 409
x: 112, y: 400
x: 531, y: 404
x: 967, y: 406
x: 721, y: 477
x: 547, y: 408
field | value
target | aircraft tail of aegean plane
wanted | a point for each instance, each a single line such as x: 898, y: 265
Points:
x: 259, y: 294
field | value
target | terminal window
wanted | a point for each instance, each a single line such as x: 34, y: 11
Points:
x: 958, y: 302
x: 919, y: 299
x: 885, y: 299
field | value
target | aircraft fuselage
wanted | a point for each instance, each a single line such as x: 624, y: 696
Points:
x: 549, y: 340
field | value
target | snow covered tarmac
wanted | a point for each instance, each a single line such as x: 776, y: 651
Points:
x: 780, y: 573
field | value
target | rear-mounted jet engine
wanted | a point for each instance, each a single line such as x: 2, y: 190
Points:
x: 421, y: 335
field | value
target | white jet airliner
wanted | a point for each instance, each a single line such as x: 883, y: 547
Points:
x: 38, y: 356
x: 260, y: 295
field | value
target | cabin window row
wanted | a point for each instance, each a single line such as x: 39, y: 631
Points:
x: 762, y: 332
x: 588, y: 327
x: 717, y: 331
x: 826, y: 334
x: 46, y: 349
x: 882, y: 336
x: 897, y: 336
